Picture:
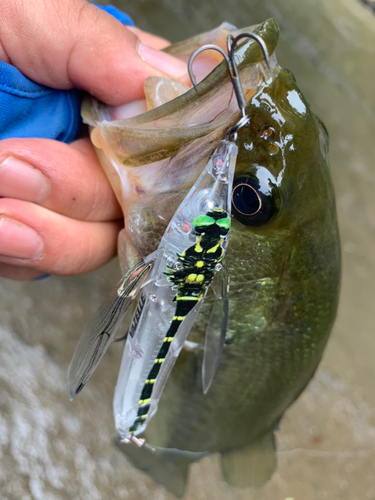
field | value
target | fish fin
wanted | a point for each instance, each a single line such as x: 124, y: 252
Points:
x: 167, y: 469
x: 251, y: 466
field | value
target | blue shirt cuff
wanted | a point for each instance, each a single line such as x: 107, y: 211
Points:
x: 32, y: 110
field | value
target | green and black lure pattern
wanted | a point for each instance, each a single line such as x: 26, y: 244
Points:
x: 191, y: 275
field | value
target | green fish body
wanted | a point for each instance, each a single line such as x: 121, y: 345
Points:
x: 284, y: 268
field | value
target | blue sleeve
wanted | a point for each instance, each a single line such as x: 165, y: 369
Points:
x: 28, y: 109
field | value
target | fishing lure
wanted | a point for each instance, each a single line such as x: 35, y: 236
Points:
x: 172, y: 283
x: 191, y: 275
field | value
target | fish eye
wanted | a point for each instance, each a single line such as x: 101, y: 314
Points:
x: 250, y: 205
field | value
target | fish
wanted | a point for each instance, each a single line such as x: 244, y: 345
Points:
x: 282, y: 259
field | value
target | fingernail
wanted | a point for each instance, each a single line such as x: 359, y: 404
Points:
x: 20, y: 180
x: 162, y: 61
x: 19, y: 241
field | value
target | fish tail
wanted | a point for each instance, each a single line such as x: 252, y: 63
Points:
x: 167, y: 467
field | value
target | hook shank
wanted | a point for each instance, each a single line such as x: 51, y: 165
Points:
x: 233, y: 71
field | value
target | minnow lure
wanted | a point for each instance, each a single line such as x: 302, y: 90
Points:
x: 170, y: 302
x: 192, y: 274
x: 164, y: 316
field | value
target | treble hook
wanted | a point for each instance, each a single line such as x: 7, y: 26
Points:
x: 233, y: 71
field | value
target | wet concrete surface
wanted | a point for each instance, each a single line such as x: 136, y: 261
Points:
x: 51, y: 449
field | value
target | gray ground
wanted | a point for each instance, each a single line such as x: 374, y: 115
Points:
x: 51, y: 449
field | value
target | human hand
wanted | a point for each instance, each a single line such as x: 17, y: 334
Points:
x: 58, y: 213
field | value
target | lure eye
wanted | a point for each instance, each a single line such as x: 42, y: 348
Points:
x: 250, y: 205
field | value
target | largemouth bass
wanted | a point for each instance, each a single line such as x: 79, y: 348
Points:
x: 283, y: 257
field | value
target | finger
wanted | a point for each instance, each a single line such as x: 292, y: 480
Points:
x: 67, y: 179
x: 34, y: 237
x: 149, y: 39
x: 71, y: 43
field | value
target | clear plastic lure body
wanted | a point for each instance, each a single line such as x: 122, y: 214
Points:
x: 157, y: 305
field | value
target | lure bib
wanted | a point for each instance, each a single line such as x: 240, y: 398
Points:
x: 188, y: 257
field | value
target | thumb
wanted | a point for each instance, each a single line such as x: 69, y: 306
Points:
x: 71, y: 43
